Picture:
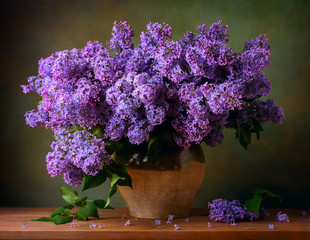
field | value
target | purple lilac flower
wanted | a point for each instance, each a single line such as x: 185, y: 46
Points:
x: 282, y: 217
x: 92, y: 225
x: 225, y: 211
x: 209, y: 225
x: 271, y: 226
x: 24, y: 226
x: 76, y: 154
x: 176, y: 227
x: 170, y: 217
x: 157, y: 222
x: 121, y: 36
x: 128, y: 223
x: 192, y: 85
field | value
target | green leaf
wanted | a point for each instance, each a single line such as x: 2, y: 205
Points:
x: 89, y: 210
x: 61, y: 211
x: 243, y: 134
x: 246, y: 133
x: 121, y: 170
x: 255, y: 202
x: 81, y: 216
x: 94, y: 181
x: 161, y: 227
x: 68, y: 194
x: 257, y: 127
x: 150, y: 143
x: 267, y: 192
x: 100, y: 203
x: 112, y: 191
x: 81, y: 202
x: 97, y: 131
x: 59, y: 219
x: 42, y: 219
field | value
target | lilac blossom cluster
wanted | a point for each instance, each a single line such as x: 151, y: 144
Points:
x: 192, y: 85
x: 222, y: 210
x: 75, y: 154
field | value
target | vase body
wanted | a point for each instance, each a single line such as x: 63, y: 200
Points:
x: 166, y: 185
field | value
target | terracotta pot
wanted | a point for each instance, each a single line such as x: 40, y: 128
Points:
x: 166, y: 185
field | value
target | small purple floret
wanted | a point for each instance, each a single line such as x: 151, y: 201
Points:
x: 271, y: 226
x: 101, y: 226
x: 157, y: 222
x: 128, y: 223
x: 282, y: 217
x: 92, y: 225
x: 176, y: 227
x: 72, y: 225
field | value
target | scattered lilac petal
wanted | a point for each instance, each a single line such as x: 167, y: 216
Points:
x: 136, y: 218
x: 187, y: 219
x: 92, y: 225
x: 209, y: 225
x: 271, y: 226
x: 282, y: 217
x: 72, y: 225
x: 157, y: 222
x: 74, y: 220
x: 24, y: 226
x: 101, y: 226
x: 170, y: 218
x: 176, y: 227
x: 124, y: 216
x: 127, y: 223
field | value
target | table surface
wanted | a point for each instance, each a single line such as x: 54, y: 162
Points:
x: 12, y: 221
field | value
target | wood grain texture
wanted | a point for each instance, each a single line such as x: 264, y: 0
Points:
x: 12, y: 220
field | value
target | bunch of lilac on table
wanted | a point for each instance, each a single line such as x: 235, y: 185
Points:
x: 101, y: 100
x: 222, y: 210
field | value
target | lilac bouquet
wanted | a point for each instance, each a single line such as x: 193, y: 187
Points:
x: 120, y: 99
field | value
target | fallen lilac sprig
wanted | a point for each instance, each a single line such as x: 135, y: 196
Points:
x: 222, y: 210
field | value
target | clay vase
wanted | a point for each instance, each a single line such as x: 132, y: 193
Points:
x: 166, y: 185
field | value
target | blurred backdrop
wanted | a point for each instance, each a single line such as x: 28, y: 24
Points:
x: 279, y: 161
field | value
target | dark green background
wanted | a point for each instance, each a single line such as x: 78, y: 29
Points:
x: 279, y: 161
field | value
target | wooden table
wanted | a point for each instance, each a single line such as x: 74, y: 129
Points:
x: 12, y: 221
